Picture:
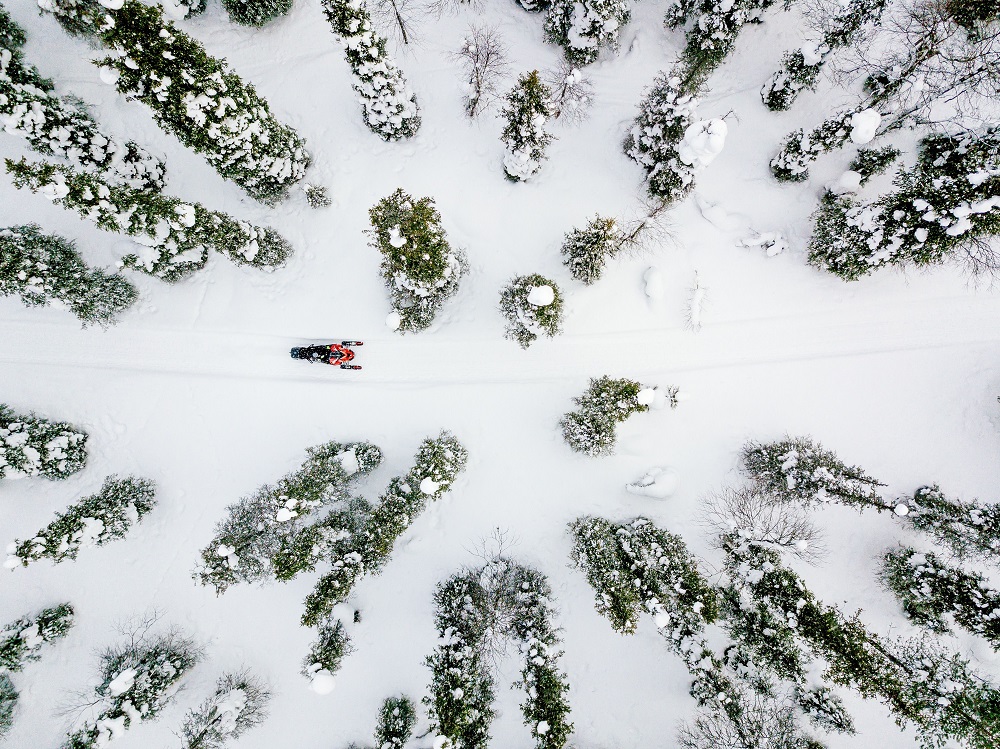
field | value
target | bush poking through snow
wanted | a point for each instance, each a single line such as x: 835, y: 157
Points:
x: 256, y: 12
x: 526, y: 114
x: 191, y: 94
x: 870, y: 162
x: 33, y: 446
x: 533, y: 307
x: 8, y: 701
x: 584, y: 28
x: 585, y: 251
x: 791, y: 164
x: 606, y: 402
x: 316, y: 196
x: 420, y: 269
x: 93, y: 521
x: 239, y: 704
x: 21, y: 641
x: 326, y: 654
x: 968, y: 530
x: 390, y: 108
x: 396, y: 720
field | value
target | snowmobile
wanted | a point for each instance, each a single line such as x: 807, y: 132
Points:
x: 329, y: 353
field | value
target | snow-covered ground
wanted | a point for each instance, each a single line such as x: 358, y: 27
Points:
x: 194, y: 388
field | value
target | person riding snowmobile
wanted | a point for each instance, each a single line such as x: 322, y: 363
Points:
x: 333, y: 353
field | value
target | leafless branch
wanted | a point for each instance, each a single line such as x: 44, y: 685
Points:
x: 572, y: 92
x: 486, y: 61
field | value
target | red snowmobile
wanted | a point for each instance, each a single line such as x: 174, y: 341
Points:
x: 329, y: 353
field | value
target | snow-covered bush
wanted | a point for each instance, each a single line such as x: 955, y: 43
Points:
x: 933, y: 593
x: 138, y: 679
x: 173, y: 235
x: 326, y: 654
x: 584, y: 27
x: 436, y: 465
x: 192, y: 95
x: 947, y: 206
x: 791, y: 164
x: 524, y: 135
x: 269, y: 524
x: 255, y: 12
x: 239, y: 704
x: 184, y: 8
x: 54, y: 127
x: 606, y: 402
x: 21, y: 641
x: 33, y: 446
x: 396, y: 720
x: 532, y: 306
x: 317, y: 196
x: 390, y: 108
x: 571, y: 93
x: 798, y: 469
x: 967, y: 529
x: 586, y: 250
x: 419, y: 267
x: 45, y: 269
x: 870, y: 162
x: 8, y: 701
x: 485, y: 57
x: 93, y: 521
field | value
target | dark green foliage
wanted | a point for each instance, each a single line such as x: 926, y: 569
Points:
x: 967, y: 529
x: 396, y: 720
x: 527, y: 111
x: 419, y: 267
x: 972, y: 15
x: 791, y: 164
x: 591, y: 428
x: 22, y: 641
x: 872, y: 161
x: 33, y: 446
x: 256, y: 12
x: 45, y: 269
x: 795, y: 75
x: 328, y: 651
x: 317, y: 196
x: 583, y: 28
x: 8, y: 701
x: 239, y: 704
x: 527, y: 321
x: 586, y: 250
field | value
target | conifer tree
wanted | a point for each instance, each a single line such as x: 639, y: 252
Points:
x: 968, y: 530
x: 239, y: 704
x: 46, y: 270
x: 22, y: 640
x: 524, y: 135
x: 396, y: 720
x: 8, y: 701
x: 582, y: 29
x: 326, y: 654
x: 174, y: 236
x: 192, y: 95
x: 606, y: 402
x: 256, y: 12
x: 33, y: 446
x: 532, y: 306
x: 586, y: 250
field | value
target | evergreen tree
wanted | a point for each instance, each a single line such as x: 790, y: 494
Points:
x: 239, y: 704
x: 396, y: 720
x: 528, y: 109
x: 932, y: 592
x: 606, y: 402
x: 947, y: 205
x: 174, y: 235
x: 586, y: 250
x: 8, y: 701
x: 256, y: 12
x: 968, y: 530
x: 390, y: 108
x: 93, y: 521
x: 33, y: 446
x: 328, y: 651
x: 870, y: 162
x: 55, y: 127
x: 419, y: 267
x: 800, y: 149
x: 45, y: 269
x: 532, y: 306
x: 21, y: 641
x: 582, y: 29
x: 192, y: 95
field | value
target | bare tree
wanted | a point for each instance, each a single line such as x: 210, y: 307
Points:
x: 397, y: 17
x: 765, y: 723
x: 486, y: 61
x: 572, y: 92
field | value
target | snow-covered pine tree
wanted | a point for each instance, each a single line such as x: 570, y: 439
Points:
x: 798, y: 469
x: 45, y: 269
x: 842, y: 25
x: 33, y: 446
x: 524, y: 135
x: 256, y: 12
x: 870, y: 162
x: 586, y: 250
x: 436, y: 465
x: 967, y: 529
x: 138, y: 679
x: 948, y: 205
x: 396, y: 719
x: 791, y: 164
x: 420, y: 269
x: 54, y: 127
x: 606, y: 402
x: 8, y: 701
x: 22, y: 641
x: 389, y: 106
x: 269, y: 522
x: 532, y: 306
x: 933, y: 592
x: 173, y: 235
x: 583, y: 28
x: 192, y: 95
x: 326, y: 654
x: 239, y: 704
x: 93, y: 521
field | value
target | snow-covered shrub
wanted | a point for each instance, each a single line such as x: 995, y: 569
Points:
x: 138, y: 679
x: 791, y: 164
x: 396, y: 720
x: 933, y: 592
x: 239, y: 704
x: 524, y: 135
x: 192, y: 95
x: 93, y: 521
x: 606, y: 402
x: 419, y: 267
x: 798, y: 469
x: 255, y: 12
x: 571, y: 93
x: 45, y: 269
x: 8, y: 701
x: 54, y: 127
x: 390, y: 108
x: 173, y: 235
x: 316, y: 196
x: 586, y: 250
x: 532, y: 306
x: 947, y: 205
x: 870, y: 162
x: 967, y: 529
x: 485, y: 57
x: 21, y: 641
x: 326, y: 654
x: 436, y: 465
x: 269, y: 522
x: 584, y: 27
x: 184, y: 8
x: 33, y: 446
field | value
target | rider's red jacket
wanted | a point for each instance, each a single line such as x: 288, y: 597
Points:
x: 340, y: 354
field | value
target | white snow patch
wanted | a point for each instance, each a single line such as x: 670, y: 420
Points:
x: 122, y: 683
x: 646, y: 396
x: 541, y: 296
x: 656, y: 483
x: 322, y: 682
x: 393, y: 321
x: 703, y: 141
x: 653, y: 280
x: 849, y: 182
x: 429, y: 485
x: 864, y: 125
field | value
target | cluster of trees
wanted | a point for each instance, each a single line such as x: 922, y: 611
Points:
x: 31, y: 445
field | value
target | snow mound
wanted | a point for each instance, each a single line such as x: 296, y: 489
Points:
x: 657, y: 483
x: 541, y: 296
x: 773, y: 242
x: 322, y: 682
x: 849, y: 182
x: 703, y: 141
x: 393, y: 321
x: 864, y: 125
x: 429, y: 485
x: 646, y: 396
x: 653, y: 279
